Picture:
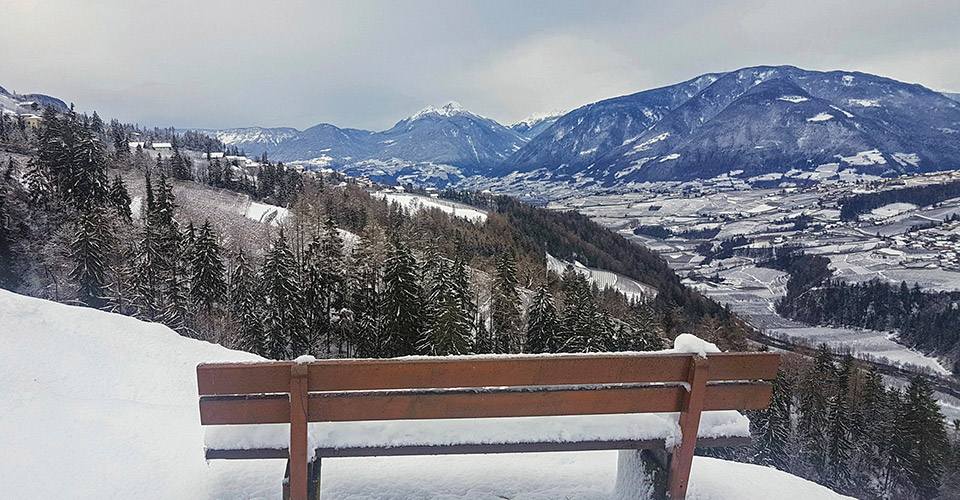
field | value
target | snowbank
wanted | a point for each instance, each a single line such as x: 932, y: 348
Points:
x: 98, y: 405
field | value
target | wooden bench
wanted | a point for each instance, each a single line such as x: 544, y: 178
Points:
x: 480, y: 387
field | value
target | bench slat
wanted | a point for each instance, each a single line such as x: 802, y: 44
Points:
x: 738, y: 396
x: 403, y: 405
x: 471, y: 449
x: 405, y: 373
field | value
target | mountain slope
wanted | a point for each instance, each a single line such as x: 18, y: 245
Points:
x: 759, y: 120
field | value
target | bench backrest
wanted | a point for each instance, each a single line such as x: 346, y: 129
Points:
x: 476, y: 387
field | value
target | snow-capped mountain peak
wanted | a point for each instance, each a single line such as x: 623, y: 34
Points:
x: 537, y: 118
x: 450, y: 109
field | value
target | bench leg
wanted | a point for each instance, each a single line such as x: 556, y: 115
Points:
x: 641, y: 474
x: 689, y: 422
x: 313, y: 480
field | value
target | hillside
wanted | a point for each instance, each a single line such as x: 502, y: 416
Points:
x: 116, y: 398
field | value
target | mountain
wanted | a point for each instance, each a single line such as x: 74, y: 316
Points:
x: 761, y: 125
x: 531, y: 126
x: 435, y: 145
x: 953, y: 95
x: 751, y: 122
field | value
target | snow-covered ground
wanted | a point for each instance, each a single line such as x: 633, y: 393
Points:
x: 414, y: 203
x: 266, y: 214
x: 98, y: 405
x: 632, y: 289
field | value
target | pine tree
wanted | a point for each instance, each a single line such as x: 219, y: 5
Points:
x: 543, y: 326
x: 283, y: 320
x: 840, y: 427
x: 774, y: 428
x: 645, y: 332
x: 207, y: 285
x: 402, y: 307
x: 244, y: 309
x: 505, y: 308
x: 120, y: 198
x: 89, y: 252
x: 366, y: 293
x: 925, y: 426
x: 332, y: 282
x: 577, y: 322
x: 449, y: 321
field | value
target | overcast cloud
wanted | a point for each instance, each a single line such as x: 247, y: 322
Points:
x: 368, y: 64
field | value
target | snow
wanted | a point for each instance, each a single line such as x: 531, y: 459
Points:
x: 687, y: 343
x: 793, y: 98
x: 393, y: 433
x: 98, y: 405
x: 261, y: 212
x: 866, y: 103
x: 452, y: 108
x: 890, y: 210
x: 415, y: 203
x: 872, y: 157
x: 632, y: 289
x: 821, y: 117
x: 669, y: 157
x: 536, y: 118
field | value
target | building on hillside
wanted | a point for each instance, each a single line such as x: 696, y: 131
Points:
x: 136, y: 144
x: 162, y: 146
x: 216, y: 155
x: 31, y: 121
x: 34, y: 105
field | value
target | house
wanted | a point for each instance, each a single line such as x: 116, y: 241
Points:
x: 32, y: 121
x: 218, y: 155
x: 136, y: 144
x: 162, y: 146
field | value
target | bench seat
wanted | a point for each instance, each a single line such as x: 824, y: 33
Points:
x: 467, y: 436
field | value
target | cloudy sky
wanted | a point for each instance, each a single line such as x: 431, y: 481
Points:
x: 368, y: 64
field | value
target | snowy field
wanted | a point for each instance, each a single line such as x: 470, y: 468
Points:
x: 97, y: 405
x: 414, y: 203
x: 632, y: 289
x: 751, y: 291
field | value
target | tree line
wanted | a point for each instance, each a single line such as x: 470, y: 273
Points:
x: 837, y: 425
x: 924, y: 320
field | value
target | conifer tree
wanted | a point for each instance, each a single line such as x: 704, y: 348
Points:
x: 120, y: 198
x: 89, y: 252
x: 283, y: 318
x: 244, y: 309
x: 401, y: 299
x: 925, y: 427
x: 366, y: 293
x: 207, y: 285
x: 505, y: 307
x: 449, y: 322
x: 774, y: 427
x: 543, y: 326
